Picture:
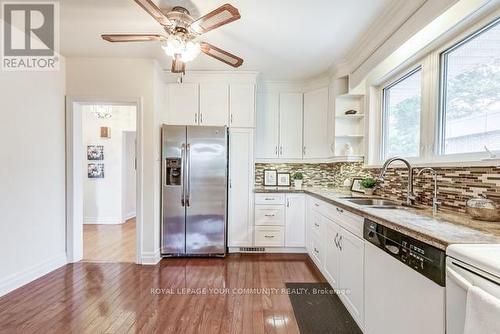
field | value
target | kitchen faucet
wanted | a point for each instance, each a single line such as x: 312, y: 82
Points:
x: 435, y: 202
x: 409, y: 194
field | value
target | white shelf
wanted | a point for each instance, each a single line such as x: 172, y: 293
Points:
x: 349, y: 136
x: 355, y: 116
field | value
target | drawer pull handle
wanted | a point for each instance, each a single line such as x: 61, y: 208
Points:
x: 317, y: 251
x: 268, y: 215
x: 340, y: 210
x: 269, y: 236
x: 316, y: 224
x: 268, y: 199
x: 316, y: 204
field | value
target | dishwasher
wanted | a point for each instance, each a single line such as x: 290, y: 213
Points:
x: 404, y: 283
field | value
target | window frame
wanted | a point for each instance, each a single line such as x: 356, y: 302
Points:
x: 443, y: 70
x: 429, y: 59
x: 384, y: 89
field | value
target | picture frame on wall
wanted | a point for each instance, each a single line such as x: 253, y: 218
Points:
x: 284, y: 180
x: 95, y: 171
x: 356, y: 185
x: 95, y: 152
x: 270, y: 177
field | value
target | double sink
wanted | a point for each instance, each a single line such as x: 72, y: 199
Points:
x: 378, y: 203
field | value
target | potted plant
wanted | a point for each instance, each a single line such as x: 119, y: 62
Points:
x: 297, y: 180
x: 369, y: 184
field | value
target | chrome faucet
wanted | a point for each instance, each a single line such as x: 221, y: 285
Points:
x: 435, y: 202
x: 409, y: 194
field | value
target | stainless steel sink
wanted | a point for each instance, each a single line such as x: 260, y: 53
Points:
x: 374, y: 202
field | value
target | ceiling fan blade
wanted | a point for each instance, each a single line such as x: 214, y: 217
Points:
x: 154, y: 11
x: 178, y: 66
x: 221, y: 55
x: 222, y: 15
x: 132, y: 38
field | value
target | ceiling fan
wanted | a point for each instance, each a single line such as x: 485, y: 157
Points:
x: 182, y: 30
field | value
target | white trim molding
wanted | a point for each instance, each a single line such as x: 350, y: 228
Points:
x: 150, y: 258
x: 103, y: 220
x: 17, y: 280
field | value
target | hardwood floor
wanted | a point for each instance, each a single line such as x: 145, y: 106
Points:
x: 127, y: 298
x: 109, y: 243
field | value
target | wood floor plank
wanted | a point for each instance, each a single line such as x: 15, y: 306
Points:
x: 118, y: 298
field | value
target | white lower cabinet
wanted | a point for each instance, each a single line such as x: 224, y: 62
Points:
x: 336, y: 246
x: 280, y: 220
x: 332, y: 254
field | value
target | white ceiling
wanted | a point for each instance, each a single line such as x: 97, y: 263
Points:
x: 282, y: 39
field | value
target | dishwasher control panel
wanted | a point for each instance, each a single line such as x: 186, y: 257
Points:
x: 421, y: 257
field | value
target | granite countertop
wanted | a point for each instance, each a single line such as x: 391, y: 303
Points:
x: 440, y: 230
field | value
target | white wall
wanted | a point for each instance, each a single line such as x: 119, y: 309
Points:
x: 103, y: 198
x: 32, y: 170
x: 129, y: 175
x: 117, y: 79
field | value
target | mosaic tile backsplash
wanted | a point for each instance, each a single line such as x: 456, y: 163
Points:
x: 455, y: 185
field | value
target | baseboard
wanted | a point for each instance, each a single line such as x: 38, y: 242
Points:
x: 150, y: 258
x: 102, y: 220
x: 128, y: 216
x: 272, y: 250
x: 17, y: 280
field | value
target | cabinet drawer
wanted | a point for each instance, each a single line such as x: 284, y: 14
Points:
x: 317, y: 250
x: 316, y: 225
x: 270, y: 215
x: 269, y: 198
x: 348, y: 220
x: 269, y: 236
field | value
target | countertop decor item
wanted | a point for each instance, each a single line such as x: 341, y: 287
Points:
x: 356, y: 185
x: 348, y: 151
x: 297, y: 180
x: 482, y: 208
x: 270, y: 177
x: 369, y: 184
x: 351, y: 112
x: 284, y: 179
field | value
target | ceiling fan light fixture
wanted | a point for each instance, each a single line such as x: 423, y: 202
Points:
x: 177, y: 45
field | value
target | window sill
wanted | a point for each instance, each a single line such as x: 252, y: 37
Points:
x: 443, y: 163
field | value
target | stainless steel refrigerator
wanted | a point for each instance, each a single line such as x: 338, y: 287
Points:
x: 194, y: 190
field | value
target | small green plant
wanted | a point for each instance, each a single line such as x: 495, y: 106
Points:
x: 297, y: 176
x: 368, y: 182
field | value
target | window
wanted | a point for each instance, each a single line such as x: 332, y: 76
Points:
x: 470, y: 93
x: 401, y: 116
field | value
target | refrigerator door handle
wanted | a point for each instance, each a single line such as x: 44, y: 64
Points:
x: 188, y: 181
x: 183, y: 161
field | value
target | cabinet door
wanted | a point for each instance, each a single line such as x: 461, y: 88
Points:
x: 316, y: 124
x: 182, y: 104
x: 240, y: 201
x: 332, y: 254
x: 351, y: 273
x: 295, y: 227
x: 242, y: 105
x: 290, y: 110
x: 214, y: 104
x: 267, y: 126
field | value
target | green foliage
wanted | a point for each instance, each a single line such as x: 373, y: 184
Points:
x: 368, y: 182
x: 297, y: 176
x: 404, y: 124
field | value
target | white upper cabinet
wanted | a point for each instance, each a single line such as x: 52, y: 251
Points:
x: 214, y: 104
x: 182, y: 104
x: 290, y: 129
x: 316, y: 124
x: 240, y: 201
x: 267, y: 139
x: 295, y: 220
x: 242, y: 105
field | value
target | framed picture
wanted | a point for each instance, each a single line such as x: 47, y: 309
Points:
x: 95, y: 152
x: 284, y: 179
x: 270, y: 177
x: 356, y: 185
x: 105, y: 132
x: 95, y: 171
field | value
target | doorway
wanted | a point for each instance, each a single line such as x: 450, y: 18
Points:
x: 103, y: 191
